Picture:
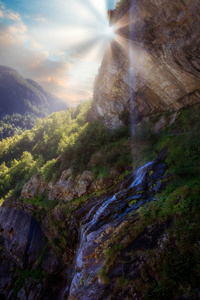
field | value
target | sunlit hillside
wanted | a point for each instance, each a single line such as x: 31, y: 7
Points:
x: 62, y: 140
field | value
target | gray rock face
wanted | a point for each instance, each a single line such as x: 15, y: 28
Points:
x: 21, y: 235
x: 21, y: 244
x: 165, y: 59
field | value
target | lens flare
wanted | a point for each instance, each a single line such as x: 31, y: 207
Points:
x: 109, y: 32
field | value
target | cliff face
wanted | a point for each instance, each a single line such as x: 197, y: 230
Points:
x: 29, y: 263
x: 161, y: 45
x: 33, y: 269
x: 21, y: 245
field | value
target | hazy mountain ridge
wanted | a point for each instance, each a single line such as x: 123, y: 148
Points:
x: 19, y: 95
x: 53, y: 102
x: 26, y: 98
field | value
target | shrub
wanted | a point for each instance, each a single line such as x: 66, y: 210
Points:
x: 50, y: 169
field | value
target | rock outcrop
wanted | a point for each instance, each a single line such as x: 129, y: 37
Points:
x: 155, y: 59
x: 68, y: 187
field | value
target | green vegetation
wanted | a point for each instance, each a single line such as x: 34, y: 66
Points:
x: 15, y: 124
x: 180, y: 263
x: 120, y: 3
x: 174, y: 271
x: 62, y: 140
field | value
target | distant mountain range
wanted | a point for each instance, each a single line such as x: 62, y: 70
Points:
x: 22, y: 101
x: 20, y: 95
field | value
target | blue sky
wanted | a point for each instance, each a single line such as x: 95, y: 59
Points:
x: 58, y: 43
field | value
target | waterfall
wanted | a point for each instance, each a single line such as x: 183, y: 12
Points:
x: 140, y: 174
x: 90, y: 230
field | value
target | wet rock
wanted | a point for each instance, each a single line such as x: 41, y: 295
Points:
x: 74, y: 261
x: 101, y: 184
x: 107, y: 219
x: 22, y: 294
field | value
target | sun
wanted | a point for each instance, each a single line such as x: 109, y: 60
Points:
x: 109, y: 32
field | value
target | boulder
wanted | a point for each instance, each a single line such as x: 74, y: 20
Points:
x: 36, y: 185
x: 68, y: 189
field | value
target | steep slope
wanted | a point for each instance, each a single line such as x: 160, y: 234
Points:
x: 18, y: 95
x: 101, y: 217
x: 156, y: 58
x: 132, y: 235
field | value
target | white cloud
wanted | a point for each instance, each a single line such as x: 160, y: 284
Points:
x: 12, y: 16
x: 60, y: 45
x: 40, y: 19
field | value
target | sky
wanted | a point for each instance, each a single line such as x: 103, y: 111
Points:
x: 57, y: 43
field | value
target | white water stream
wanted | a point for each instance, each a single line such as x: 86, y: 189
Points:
x: 87, y: 235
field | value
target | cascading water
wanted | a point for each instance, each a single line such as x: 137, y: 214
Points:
x: 97, y: 221
x: 140, y: 174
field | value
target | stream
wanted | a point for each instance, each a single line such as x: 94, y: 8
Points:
x: 102, y: 219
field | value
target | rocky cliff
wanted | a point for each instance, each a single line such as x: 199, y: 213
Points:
x: 154, y: 59
x: 36, y: 265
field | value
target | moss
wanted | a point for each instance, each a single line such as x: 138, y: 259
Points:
x: 32, y: 276
x: 122, y: 283
x: 102, y: 275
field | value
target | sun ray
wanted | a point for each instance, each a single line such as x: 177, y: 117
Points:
x: 122, y: 22
x: 125, y: 44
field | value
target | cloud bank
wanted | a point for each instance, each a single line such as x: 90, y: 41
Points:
x: 58, y: 43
